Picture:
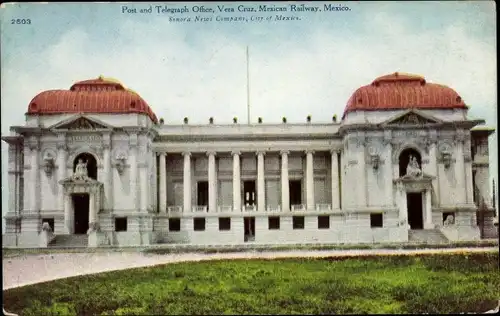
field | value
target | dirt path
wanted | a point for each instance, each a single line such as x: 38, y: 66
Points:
x: 31, y: 269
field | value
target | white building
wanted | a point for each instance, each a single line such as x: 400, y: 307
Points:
x: 145, y: 182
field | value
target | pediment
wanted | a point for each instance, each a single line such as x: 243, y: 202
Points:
x: 80, y: 123
x: 411, y: 117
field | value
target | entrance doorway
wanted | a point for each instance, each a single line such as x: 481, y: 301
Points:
x: 249, y: 193
x: 415, y: 214
x: 202, y: 193
x: 295, y: 188
x: 249, y: 223
x: 81, y: 207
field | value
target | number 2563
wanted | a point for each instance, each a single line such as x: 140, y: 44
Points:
x: 20, y: 21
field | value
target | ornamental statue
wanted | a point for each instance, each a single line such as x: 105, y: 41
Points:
x: 81, y: 172
x: 413, y: 169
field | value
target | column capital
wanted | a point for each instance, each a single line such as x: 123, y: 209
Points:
x: 161, y: 153
x: 34, y: 145
x: 235, y: 153
x: 309, y: 151
x: 334, y: 151
x: 284, y: 152
x: 61, y: 145
x: 186, y: 153
x: 260, y: 152
x: 211, y: 153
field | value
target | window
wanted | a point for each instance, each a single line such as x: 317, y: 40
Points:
x: 224, y: 223
x: 50, y: 221
x: 174, y: 224
x: 376, y: 220
x: 323, y: 222
x: 120, y: 224
x: 298, y: 222
x: 274, y: 222
x: 199, y: 223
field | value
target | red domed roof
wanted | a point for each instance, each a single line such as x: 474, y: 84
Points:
x: 403, y: 91
x: 91, y: 96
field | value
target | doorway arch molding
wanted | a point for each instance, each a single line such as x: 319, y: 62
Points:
x: 89, y: 186
x: 398, y: 148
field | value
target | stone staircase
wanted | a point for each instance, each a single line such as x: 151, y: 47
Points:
x: 70, y: 241
x: 429, y: 236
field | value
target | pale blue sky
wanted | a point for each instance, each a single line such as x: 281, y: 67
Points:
x: 297, y: 68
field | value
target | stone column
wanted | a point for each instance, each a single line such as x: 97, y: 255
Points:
x: 460, y: 171
x: 212, y: 183
x: 163, y: 182
x: 428, y: 209
x: 403, y: 207
x: 27, y: 177
x: 35, y: 176
x: 469, y: 188
x: 187, y: 181
x: 61, y: 168
x: 13, y: 179
x: 144, y: 189
x: 236, y: 181
x: 133, y: 171
x: 335, y: 180
x: 92, y: 208
x: 433, y: 169
x: 68, y: 213
x: 285, y: 183
x: 361, y: 179
x: 468, y: 178
x: 261, y: 183
x: 389, y: 185
x: 310, y: 180
x: 108, y: 175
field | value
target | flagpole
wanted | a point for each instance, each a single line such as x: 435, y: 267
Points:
x: 248, y: 90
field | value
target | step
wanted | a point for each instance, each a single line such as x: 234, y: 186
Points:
x: 70, y: 241
x: 427, y: 235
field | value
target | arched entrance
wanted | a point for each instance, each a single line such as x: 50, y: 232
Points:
x: 414, y: 200
x: 81, y: 201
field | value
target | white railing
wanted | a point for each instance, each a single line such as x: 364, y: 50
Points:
x: 175, y: 209
x: 225, y: 208
x: 298, y: 207
x: 323, y: 207
x: 274, y: 208
x: 249, y: 208
x: 199, y: 208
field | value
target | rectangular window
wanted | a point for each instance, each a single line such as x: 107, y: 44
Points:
x: 298, y: 222
x: 50, y: 221
x: 274, y: 222
x: 120, y: 224
x: 376, y: 220
x: 324, y: 222
x: 199, y: 223
x: 224, y: 223
x: 174, y: 224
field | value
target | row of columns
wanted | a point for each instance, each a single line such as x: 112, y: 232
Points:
x: 261, y: 192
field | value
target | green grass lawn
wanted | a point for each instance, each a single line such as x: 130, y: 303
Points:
x: 445, y: 283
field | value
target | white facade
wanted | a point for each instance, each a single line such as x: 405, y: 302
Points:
x: 237, y: 183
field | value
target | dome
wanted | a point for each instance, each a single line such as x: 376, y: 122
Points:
x: 399, y: 91
x: 101, y: 95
